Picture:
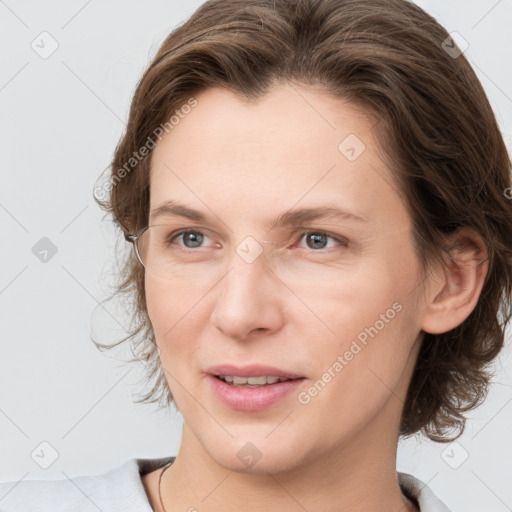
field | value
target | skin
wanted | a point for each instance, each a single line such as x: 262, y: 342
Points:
x: 243, y: 163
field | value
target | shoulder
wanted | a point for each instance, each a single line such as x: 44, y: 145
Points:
x: 118, y: 489
x: 420, y: 492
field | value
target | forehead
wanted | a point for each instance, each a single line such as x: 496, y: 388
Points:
x: 294, y: 144
x: 288, y: 119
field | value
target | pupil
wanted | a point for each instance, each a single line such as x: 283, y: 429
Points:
x: 193, y: 237
x: 317, y: 238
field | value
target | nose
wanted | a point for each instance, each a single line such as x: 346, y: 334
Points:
x: 249, y: 299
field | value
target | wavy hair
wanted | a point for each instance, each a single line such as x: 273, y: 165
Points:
x: 438, y: 135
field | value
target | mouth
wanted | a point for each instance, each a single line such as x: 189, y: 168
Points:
x: 253, y: 382
x: 254, y: 387
x: 251, y: 394
x: 236, y: 374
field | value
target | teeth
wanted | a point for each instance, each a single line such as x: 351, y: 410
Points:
x: 251, y: 381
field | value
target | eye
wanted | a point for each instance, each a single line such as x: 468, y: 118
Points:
x: 317, y: 240
x: 320, y: 240
x: 191, y: 239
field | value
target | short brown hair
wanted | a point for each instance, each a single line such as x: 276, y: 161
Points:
x: 437, y: 132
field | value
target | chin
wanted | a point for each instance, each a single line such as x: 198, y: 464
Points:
x: 256, y: 457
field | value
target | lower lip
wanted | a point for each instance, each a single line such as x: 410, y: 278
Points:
x: 252, y: 399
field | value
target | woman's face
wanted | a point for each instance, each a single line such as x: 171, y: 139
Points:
x: 334, y: 299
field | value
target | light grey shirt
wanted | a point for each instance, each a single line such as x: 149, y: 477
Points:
x: 121, y: 490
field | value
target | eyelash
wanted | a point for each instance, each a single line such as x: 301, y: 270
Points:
x: 339, y: 240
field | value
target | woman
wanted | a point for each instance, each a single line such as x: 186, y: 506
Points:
x: 316, y: 195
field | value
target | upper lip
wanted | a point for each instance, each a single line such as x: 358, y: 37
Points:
x: 254, y: 370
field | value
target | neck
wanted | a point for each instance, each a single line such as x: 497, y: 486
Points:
x: 361, y: 476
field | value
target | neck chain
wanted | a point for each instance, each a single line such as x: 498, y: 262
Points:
x: 160, y: 485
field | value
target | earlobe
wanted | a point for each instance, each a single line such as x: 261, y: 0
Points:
x: 454, y: 295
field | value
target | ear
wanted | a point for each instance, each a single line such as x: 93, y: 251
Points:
x: 455, y: 287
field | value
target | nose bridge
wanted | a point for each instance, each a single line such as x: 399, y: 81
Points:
x: 250, y: 249
x: 246, y: 300
x: 248, y: 270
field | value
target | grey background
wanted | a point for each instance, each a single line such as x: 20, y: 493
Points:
x: 61, y: 119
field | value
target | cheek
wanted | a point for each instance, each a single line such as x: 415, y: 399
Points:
x: 371, y: 320
x: 158, y: 304
x: 175, y: 313
x: 362, y: 369
x: 170, y: 307
x: 354, y: 302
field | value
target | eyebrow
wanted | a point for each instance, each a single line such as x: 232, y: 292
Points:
x: 172, y: 208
